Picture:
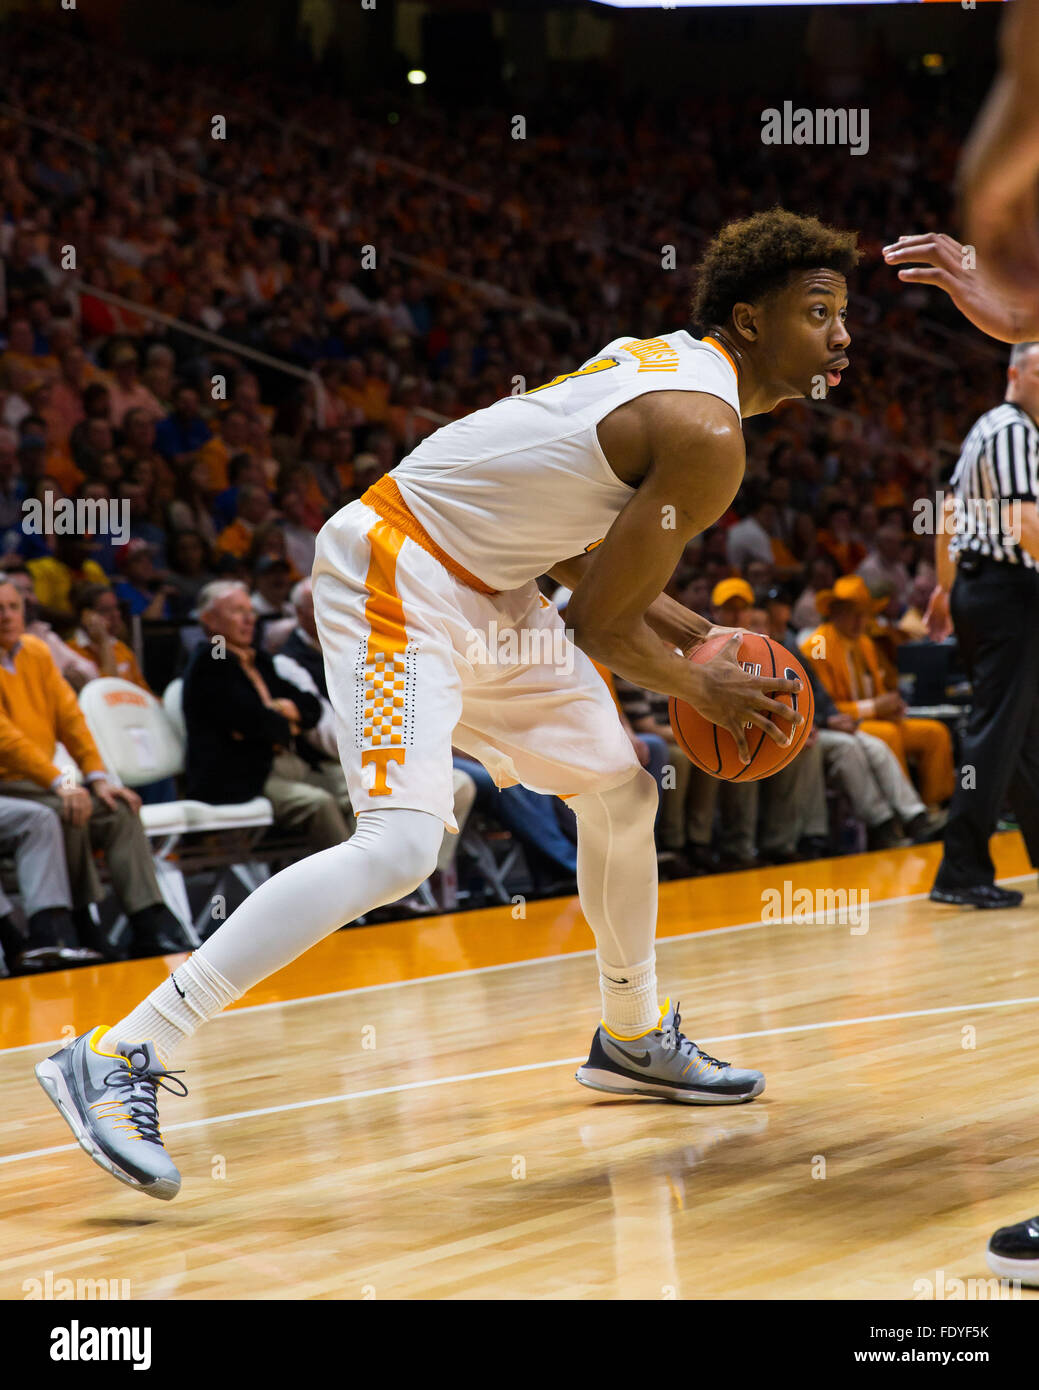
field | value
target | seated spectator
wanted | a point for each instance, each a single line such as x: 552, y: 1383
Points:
x: 216, y: 453
x: 242, y: 718
x: 99, y: 637
x: 793, y: 822
x: 272, y: 581
x: 912, y: 624
x: 850, y: 670
x: 144, y: 592
x: 72, y: 667
x: 243, y: 470
x: 55, y: 576
x: 529, y: 816
x: 729, y: 599
x: 863, y: 766
x: 146, y: 516
x: 190, y: 509
x: 138, y: 445
x: 126, y: 392
x: 182, y: 433
x: 191, y: 569
x: 754, y: 537
x: 822, y: 573
x: 37, y: 711
x: 884, y: 564
x: 33, y: 832
x: 253, y: 509
x: 837, y: 540
x: 12, y: 491
x: 300, y: 538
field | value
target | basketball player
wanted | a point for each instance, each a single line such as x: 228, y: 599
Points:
x: 599, y: 478
x: 999, y: 180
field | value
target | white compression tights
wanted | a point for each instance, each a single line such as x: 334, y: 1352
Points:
x: 389, y: 855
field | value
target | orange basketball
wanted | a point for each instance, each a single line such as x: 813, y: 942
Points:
x: 713, y: 749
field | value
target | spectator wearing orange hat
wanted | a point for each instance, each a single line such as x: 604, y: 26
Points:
x: 850, y: 669
x: 729, y: 598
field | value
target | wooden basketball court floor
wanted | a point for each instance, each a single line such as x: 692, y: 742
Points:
x: 395, y: 1116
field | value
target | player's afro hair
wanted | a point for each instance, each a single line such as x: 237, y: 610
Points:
x: 750, y: 258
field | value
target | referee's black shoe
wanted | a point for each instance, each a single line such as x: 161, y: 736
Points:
x: 982, y: 895
x: 1013, y: 1252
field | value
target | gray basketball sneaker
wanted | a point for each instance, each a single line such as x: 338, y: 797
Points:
x: 665, y: 1064
x: 110, y: 1102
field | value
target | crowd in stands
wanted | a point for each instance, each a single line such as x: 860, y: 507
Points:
x: 228, y: 466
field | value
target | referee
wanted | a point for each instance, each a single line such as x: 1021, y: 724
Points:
x: 988, y: 554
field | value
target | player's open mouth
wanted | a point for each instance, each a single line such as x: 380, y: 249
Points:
x: 833, y: 376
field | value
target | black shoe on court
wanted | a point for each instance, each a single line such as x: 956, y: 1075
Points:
x: 1013, y: 1252
x: 983, y: 895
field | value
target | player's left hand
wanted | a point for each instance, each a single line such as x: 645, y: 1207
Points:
x: 720, y: 632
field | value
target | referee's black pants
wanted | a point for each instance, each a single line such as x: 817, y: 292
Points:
x: 995, y: 611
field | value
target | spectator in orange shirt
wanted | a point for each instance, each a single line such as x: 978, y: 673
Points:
x: 232, y: 438
x: 367, y: 393
x: 37, y: 710
x: 254, y: 508
x: 887, y: 489
x: 849, y: 667
x: 838, y: 541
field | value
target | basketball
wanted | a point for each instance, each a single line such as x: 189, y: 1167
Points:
x: 713, y: 749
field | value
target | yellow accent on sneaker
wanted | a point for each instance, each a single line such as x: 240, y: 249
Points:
x: 99, y: 1032
x: 625, y: 1037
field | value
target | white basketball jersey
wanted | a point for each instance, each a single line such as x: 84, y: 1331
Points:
x: 511, y: 490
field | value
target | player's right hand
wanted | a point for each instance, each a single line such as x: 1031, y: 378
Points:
x: 728, y: 696
x: 934, y: 258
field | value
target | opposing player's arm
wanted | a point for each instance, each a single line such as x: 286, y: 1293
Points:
x: 697, y: 462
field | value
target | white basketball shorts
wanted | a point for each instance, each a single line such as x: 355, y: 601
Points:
x: 418, y: 661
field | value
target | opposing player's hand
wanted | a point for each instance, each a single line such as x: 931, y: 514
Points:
x: 726, y: 695
x: 934, y: 258
x: 998, y: 175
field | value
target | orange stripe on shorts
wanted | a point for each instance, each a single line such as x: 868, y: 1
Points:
x: 383, y: 608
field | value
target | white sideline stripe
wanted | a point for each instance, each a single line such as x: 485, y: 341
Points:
x: 532, y: 1066
x: 509, y: 965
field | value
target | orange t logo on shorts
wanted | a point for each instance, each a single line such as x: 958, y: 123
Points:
x: 380, y: 757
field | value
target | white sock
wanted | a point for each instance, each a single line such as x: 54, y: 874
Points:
x: 629, y: 997
x: 617, y: 880
x: 193, y: 994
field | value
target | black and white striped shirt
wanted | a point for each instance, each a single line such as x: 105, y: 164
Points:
x: 998, y: 467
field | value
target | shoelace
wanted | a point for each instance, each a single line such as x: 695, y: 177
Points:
x: 674, y: 1040
x: 141, y: 1101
